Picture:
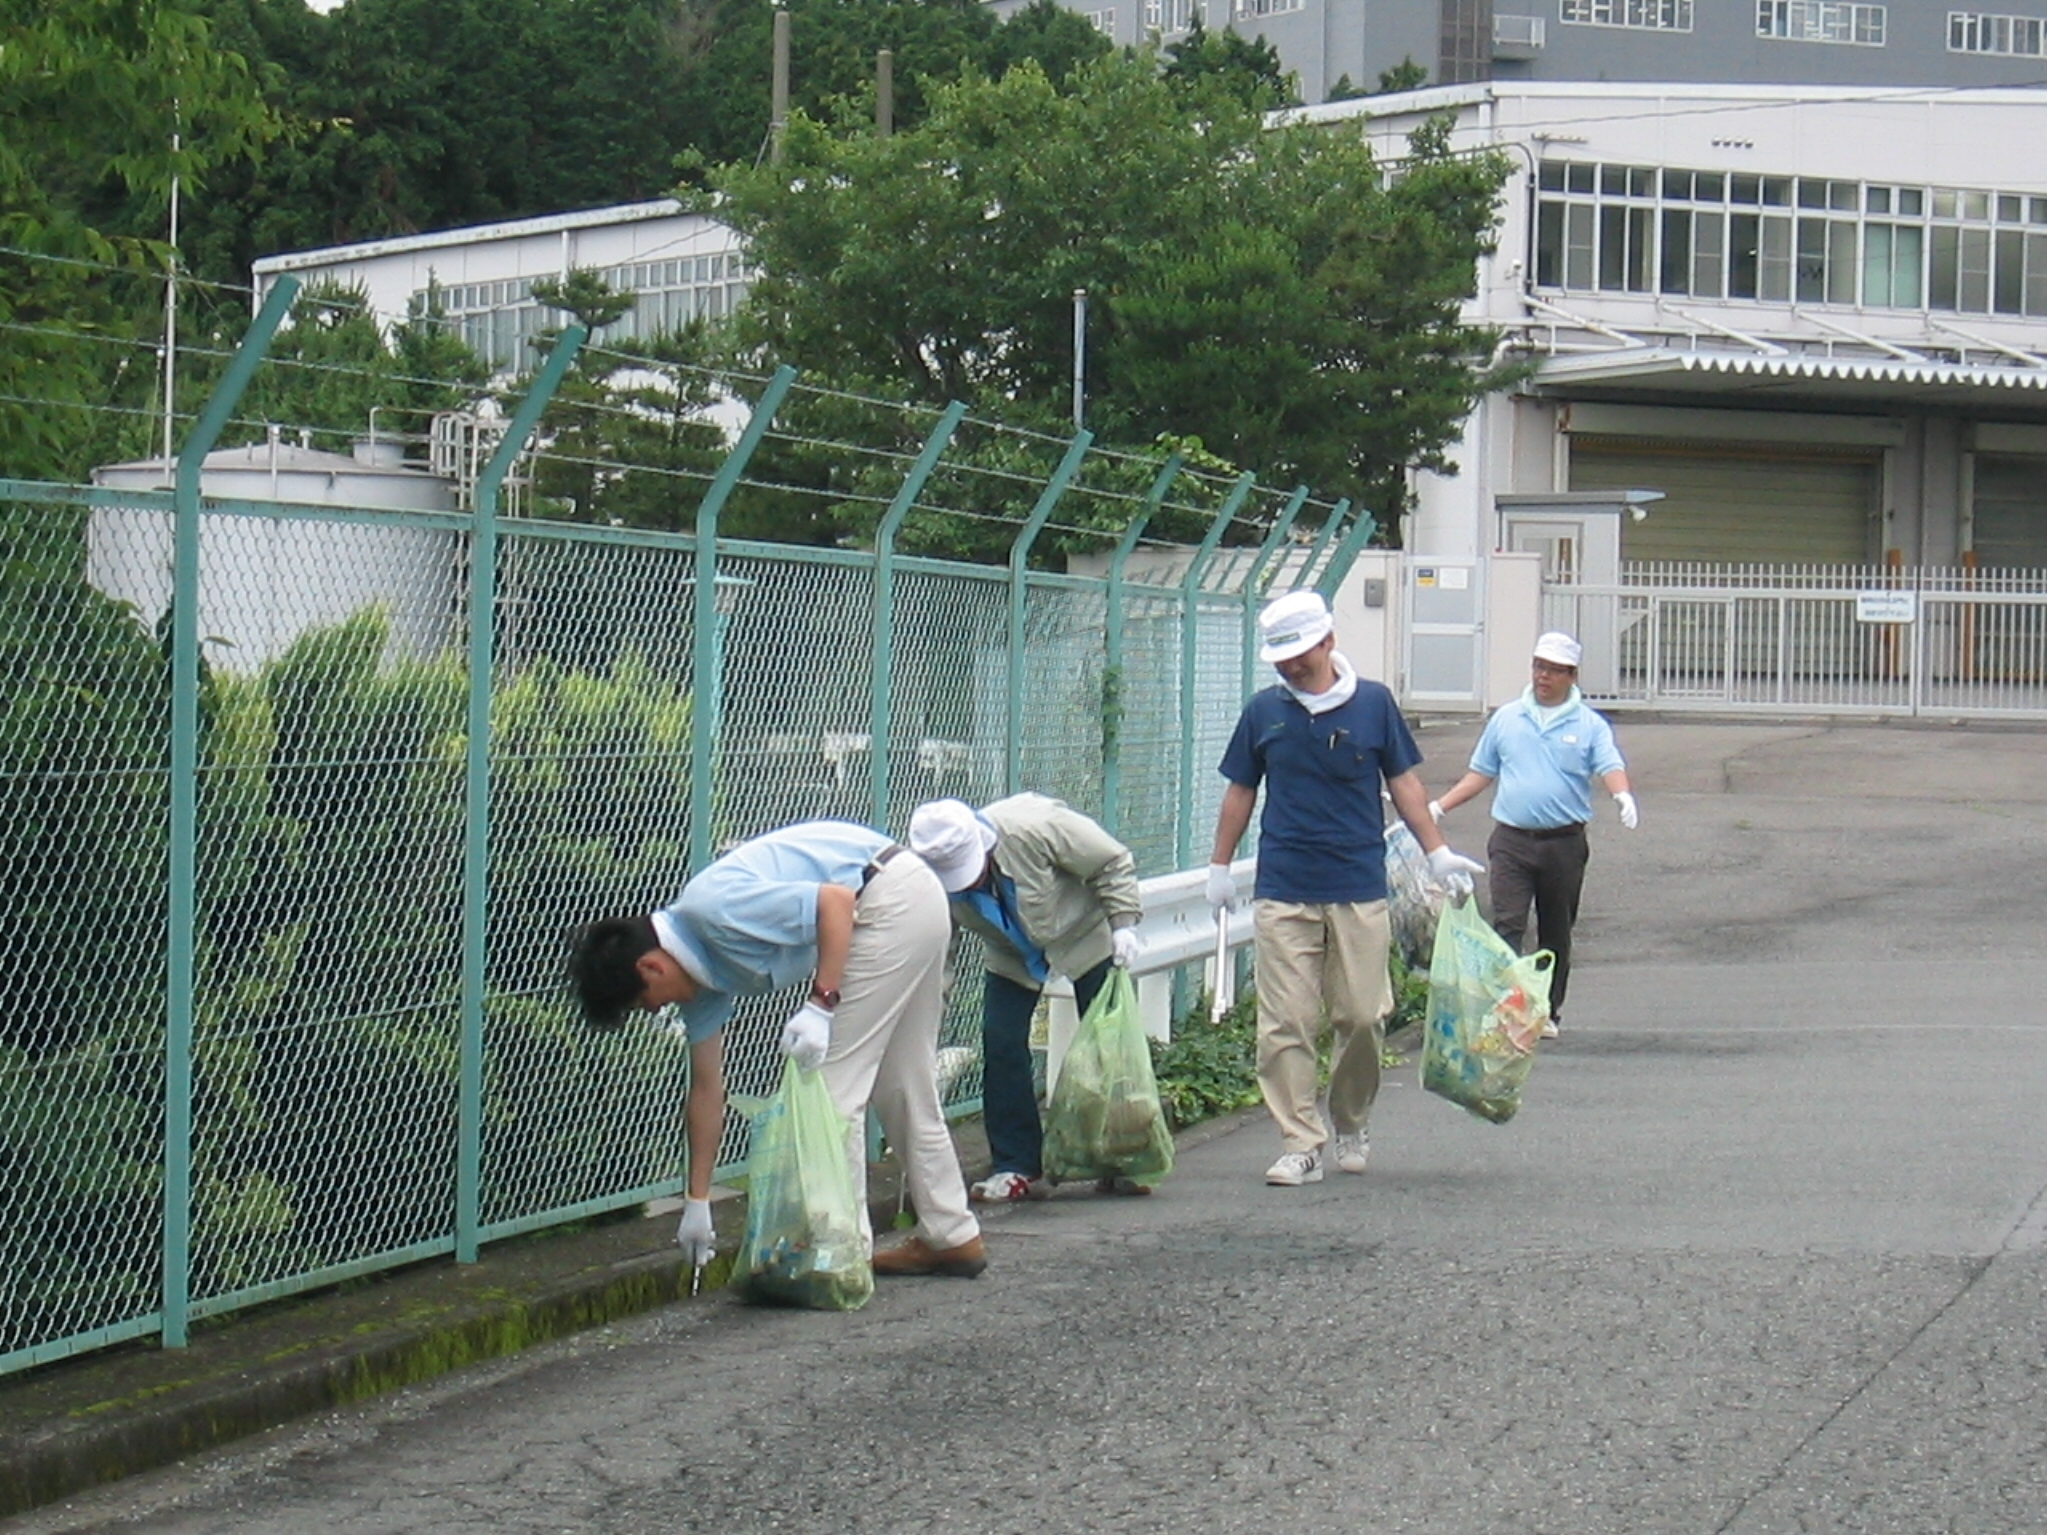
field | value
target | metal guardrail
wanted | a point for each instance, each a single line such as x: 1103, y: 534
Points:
x: 1178, y: 928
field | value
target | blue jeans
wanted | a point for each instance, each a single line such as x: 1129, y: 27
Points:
x: 1009, y: 1095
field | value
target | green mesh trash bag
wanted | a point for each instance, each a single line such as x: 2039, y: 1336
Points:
x: 1105, y: 1119
x: 1487, y: 1006
x: 804, y: 1245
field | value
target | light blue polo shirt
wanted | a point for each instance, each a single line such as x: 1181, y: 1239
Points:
x: 748, y: 922
x: 1544, y: 772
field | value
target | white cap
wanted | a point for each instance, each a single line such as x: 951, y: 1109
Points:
x: 1559, y: 649
x: 1292, y: 624
x: 954, y: 841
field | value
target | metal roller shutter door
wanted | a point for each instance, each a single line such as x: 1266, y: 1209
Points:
x: 1738, y: 503
x: 2010, y: 512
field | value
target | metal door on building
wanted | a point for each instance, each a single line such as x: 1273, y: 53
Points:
x: 1445, y: 659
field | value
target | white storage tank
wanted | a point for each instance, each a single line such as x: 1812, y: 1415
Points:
x: 268, y: 576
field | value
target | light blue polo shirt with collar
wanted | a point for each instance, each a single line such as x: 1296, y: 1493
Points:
x: 1544, y: 771
x: 748, y: 923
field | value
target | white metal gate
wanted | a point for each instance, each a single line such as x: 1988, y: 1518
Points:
x: 1814, y: 639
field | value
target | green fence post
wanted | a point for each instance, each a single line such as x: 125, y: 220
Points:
x: 1330, y: 524
x: 880, y: 725
x: 704, y: 666
x: 1019, y: 556
x: 1347, y: 552
x: 181, y: 977
x: 1252, y: 590
x: 483, y: 598
x: 1190, y: 650
x: 1112, y: 659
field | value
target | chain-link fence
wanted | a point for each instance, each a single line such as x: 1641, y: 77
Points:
x: 281, y: 992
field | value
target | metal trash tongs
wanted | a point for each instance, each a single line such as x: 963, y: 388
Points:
x: 1224, y: 996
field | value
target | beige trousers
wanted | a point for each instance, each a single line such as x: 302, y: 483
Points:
x: 884, y: 1046
x: 1312, y: 959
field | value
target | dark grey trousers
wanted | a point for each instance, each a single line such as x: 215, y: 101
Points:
x: 1545, y: 869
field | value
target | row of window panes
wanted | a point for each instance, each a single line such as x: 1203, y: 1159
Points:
x: 1168, y: 15
x: 1649, y: 15
x: 1821, y: 21
x: 1780, y: 257
x: 1103, y: 22
x: 1268, y: 7
x: 1750, y: 190
x: 499, y: 328
x: 1973, y: 32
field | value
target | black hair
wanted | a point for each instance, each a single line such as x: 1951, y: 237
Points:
x: 604, y: 958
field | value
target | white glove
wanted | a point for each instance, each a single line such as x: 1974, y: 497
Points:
x: 1629, y: 814
x: 694, y: 1235
x: 1124, y: 946
x: 1436, y: 811
x: 1453, y: 871
x: 1222, y: 886
x: 807, y: 1036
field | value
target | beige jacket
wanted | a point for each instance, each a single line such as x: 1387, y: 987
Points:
x: 1074, y: 882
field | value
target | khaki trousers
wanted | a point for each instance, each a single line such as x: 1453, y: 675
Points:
x: 1312, y: 959
x: 884, y: 1046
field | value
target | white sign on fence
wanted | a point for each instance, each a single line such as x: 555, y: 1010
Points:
x: 1886, y: 607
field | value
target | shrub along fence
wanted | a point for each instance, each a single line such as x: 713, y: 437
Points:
x: 288, y: 866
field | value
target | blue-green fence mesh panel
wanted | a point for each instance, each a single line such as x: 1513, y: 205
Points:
x: 333, y: 829
x: 84, y: 777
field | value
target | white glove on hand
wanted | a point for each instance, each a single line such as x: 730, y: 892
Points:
x: 695, y: 1236
x: 1453, y: 871
x: 1629, y: 814
x: 1222, y: 886
x: 1436, y: 811
x: 1124, y: 946
x: 807, y: 1036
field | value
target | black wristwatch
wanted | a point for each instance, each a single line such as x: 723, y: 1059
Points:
x: 824, y: 997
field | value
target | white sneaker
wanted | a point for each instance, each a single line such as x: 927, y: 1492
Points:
x: 1549, y: 1028
x: 1352, y: 1152
x: 1295, y: 1169
x: 1003, y: 1188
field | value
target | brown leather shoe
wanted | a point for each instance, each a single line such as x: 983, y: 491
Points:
x: 914, y: 1257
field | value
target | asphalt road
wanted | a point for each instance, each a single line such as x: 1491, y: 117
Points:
x: 1764, y: 1252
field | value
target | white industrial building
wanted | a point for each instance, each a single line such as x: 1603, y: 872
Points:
x: 678, y: 265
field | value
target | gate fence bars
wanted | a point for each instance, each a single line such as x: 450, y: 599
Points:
x: 1876, y: 640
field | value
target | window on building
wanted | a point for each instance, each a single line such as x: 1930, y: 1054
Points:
x: 1603, y: 228
x: 1103, y: 22
x: 1649, y: 15
x: 1168, y: 16
x: 1464, y: 44
x: 1973, y: 32
x: 1821, y: 21
x: 1268, y: 7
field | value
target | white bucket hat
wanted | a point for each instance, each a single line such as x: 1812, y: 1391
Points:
x: 1289, y: 625
x: 1559, y: 649
x: 953, y: 840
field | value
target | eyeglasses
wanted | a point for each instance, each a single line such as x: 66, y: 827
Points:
x: 1551, y: 669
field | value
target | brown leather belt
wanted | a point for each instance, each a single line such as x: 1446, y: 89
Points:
x: 878, y: 862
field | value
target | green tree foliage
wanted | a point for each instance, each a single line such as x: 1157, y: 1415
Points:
x: 1404, y: 76
x: 832, y: 54
x: 332, y: 365
x: 93, y: 95
x: 1312, y: 330
x: 1250, y: 71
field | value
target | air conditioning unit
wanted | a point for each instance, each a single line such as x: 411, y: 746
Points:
x: 1517, y: 37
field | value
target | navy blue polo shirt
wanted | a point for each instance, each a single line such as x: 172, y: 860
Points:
x: 1322, y: 833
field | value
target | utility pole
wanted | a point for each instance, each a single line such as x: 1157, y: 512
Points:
x: 778, y: 112
x: 1079, y: 355
x: 170, y: 311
